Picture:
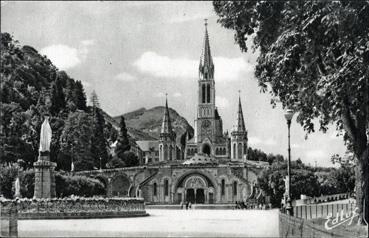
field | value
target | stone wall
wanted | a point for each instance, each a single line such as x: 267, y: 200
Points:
x: 290, y: 226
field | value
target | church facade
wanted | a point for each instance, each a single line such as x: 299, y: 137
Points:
x: 213, y: 166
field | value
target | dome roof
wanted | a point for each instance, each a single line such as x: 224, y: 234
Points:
x: 200, y: 159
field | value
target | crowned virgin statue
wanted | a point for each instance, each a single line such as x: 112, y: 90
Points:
x: 45, y: 136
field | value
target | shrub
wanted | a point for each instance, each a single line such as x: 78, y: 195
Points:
x: 67, y: 185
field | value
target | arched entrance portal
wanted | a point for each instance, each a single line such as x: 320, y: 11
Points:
x: 195, y: 187
x: 206, y: 149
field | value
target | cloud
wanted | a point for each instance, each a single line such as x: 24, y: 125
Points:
x: 62, y: 56
x: 125, y: 77
x: 226, y: 69
x: 221, y: 102
x: 254, y: 140
x: 296, y: 146
x: 189, y: 17
x: 159, y: 95
x: 177, y: 94
x: 258, y: 141
x: 86, y: 84
x: 66, y: 57
x: 316, y: 154
x: 269, y: 141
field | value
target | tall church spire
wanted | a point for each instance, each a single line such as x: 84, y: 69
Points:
x: 240, y: 122
x: 166, y: 127
x: 206, y: 67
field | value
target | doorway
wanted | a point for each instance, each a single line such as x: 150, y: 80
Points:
x: 190, y: 195
x: 200, y: 196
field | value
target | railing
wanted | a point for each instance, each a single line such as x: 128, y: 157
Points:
x: 322, y: 210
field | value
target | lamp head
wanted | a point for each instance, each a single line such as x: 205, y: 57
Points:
x: 289, y: 114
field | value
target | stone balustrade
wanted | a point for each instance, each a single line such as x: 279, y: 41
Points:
x: 62, y: 208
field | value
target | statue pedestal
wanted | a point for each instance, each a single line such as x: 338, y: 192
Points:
x: 44, y: 177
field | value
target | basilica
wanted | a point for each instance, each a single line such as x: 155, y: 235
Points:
x: 211, y: 168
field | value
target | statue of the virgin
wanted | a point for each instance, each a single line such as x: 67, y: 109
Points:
x: 45, y: 136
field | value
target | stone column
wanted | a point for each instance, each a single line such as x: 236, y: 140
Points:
x: 44, y: 177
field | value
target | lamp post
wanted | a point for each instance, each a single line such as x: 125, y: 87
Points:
x: 289, y: 115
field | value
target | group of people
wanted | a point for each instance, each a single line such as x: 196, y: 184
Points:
x: 187, y: 204
x: 243, y: 205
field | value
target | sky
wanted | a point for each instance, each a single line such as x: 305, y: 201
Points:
x: 133, y: 53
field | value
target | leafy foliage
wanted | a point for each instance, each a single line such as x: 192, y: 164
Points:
x: 67, y: 185
x: 306, y: 180
x: 314, y: 58
x: 76, y: 140
x: 31, y: 87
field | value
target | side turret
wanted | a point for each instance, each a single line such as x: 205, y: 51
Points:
x: 239, y: 137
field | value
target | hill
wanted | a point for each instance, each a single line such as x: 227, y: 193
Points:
x: 144, y: 124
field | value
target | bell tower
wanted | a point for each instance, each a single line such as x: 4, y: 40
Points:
x: 205, y: 123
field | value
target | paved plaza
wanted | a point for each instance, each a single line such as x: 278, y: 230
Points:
x: 162, y: 223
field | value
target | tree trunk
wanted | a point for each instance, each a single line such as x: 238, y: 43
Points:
x: 362, y: 189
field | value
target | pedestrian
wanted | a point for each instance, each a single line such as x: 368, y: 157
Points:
x: 189, y: 205
x: 186, y: 205
x: 181, y: 205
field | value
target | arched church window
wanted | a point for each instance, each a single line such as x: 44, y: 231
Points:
x: 235, y: 188
x: 234, y: 151
x: 208, y: 93
x: 223, y: 187
x: 245, y: 148
x: 203, y: 93
x: 165, y: 152
x: 155, y: 188
x: 166, y: 187
x: 170, y: 152
x: 240, y: 150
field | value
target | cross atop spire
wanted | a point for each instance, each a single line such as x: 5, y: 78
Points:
x: 206, y: 67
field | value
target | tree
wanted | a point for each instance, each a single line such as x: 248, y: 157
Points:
x: 303, y: 181
x: 122, y: 158
x: 57, y: 97
x: 94, y: 100
x: 123, y: 141
x: 76, y: 140
x: 314, y: 58
x: 79, y: 96
x: 99, y: 143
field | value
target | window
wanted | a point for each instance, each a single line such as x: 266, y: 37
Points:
x: 223, y: 187
x: 165, y: 152
x: 166, y: 187
x: 234, y: 188
x: 234, y: 151
x: 240, y: 150
x: 208, y: 93
x: 170, y: 152
x: 155, y: 188
x: 203, y: 93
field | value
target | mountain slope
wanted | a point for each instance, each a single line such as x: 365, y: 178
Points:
x: 148, y: 122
